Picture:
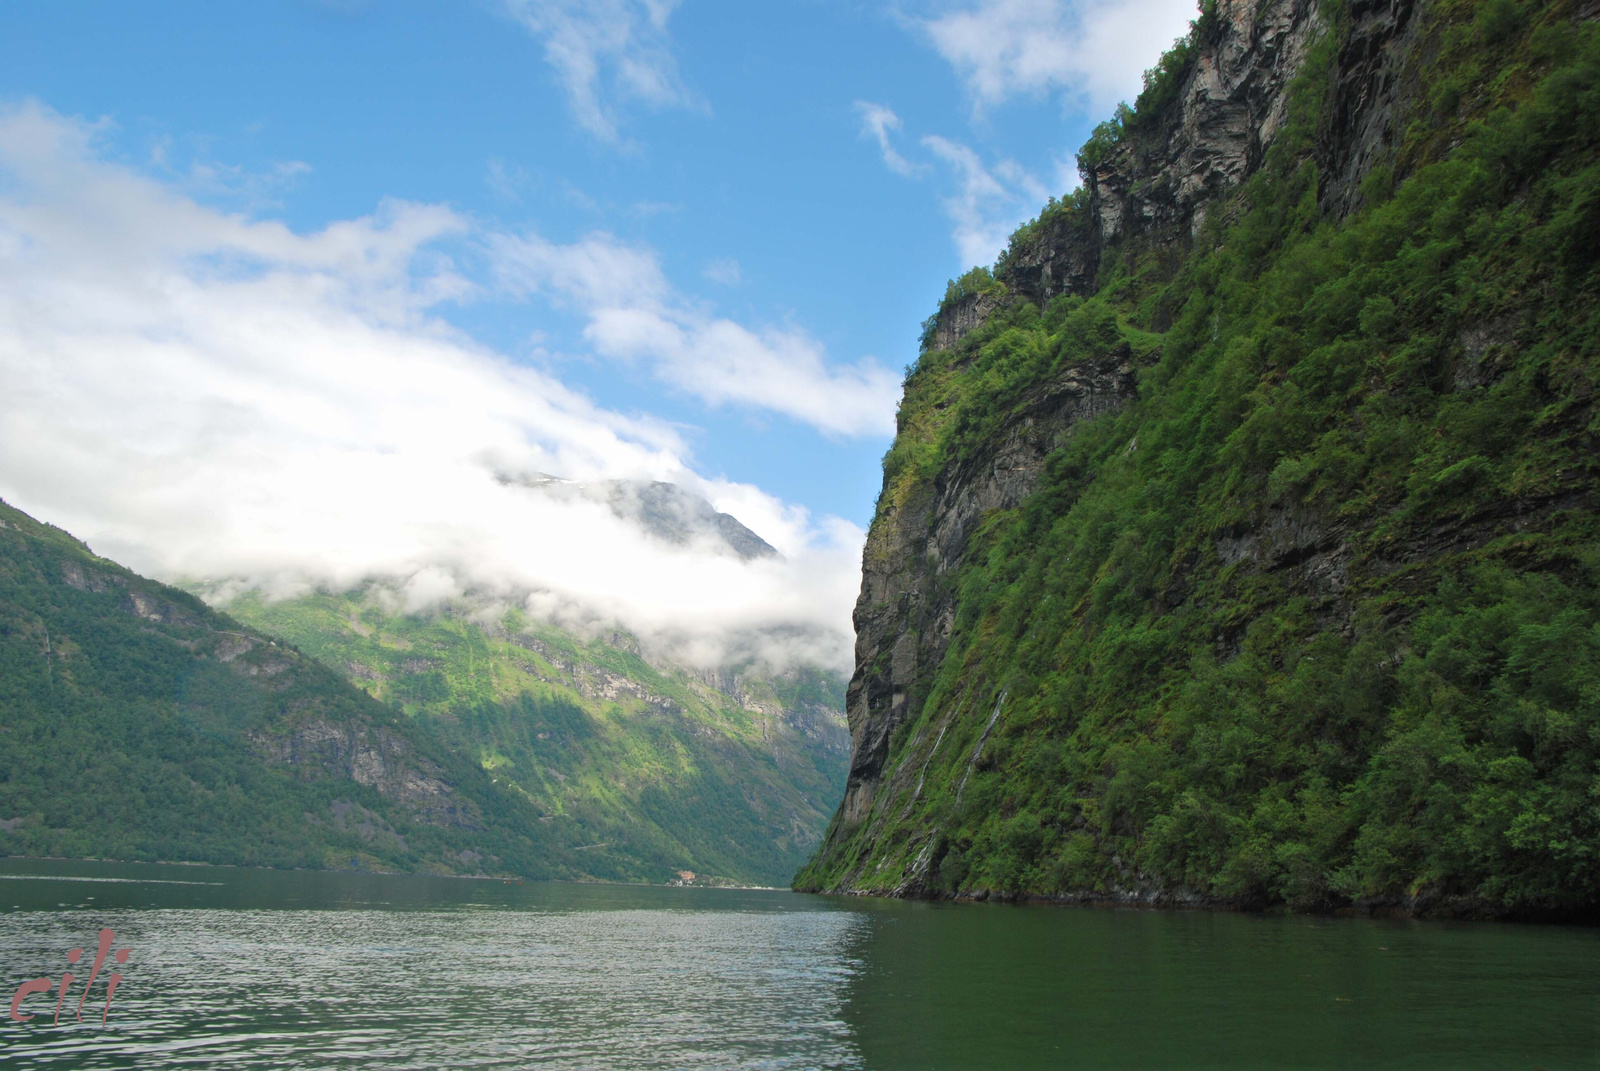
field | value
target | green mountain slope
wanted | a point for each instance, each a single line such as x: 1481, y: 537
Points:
x: 1239, y: 542
x: 647, y: 769
x: 136, y: 723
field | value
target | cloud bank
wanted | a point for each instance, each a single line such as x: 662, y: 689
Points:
x: 211, y: 397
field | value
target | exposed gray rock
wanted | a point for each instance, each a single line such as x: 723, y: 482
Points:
x: 232, y: 645
x: 663, y: 510
x: 75, y: 576
x: 1161, y: 180
x: 347, y: 817
x: 1370, y: 92
x: 1061, y: 259
x: 962, y: 316
x: 1485, y: 347
x: 905, y: 613
x: 374, y: 757
x: 1230, y: 105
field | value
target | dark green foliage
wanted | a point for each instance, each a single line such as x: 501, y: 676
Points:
x: 977, y: 281
x: 1103, y: 141
x: 1161, y: 82
x: 135, y: 723
x: 1317, y: 618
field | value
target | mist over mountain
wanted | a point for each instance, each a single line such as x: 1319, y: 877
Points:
x: 663, y: 510
x: 217, y: 399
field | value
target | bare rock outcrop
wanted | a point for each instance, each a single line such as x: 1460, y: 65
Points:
x: 371, y: 756
x: 1231, y: 103
x: 906, y: 610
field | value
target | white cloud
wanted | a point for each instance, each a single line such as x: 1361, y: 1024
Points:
x: 876, y: 122
x: 1092, y: 51
x: 724, y: 270
x: 604, y: 51
x: 634, y: 314
x: 990, y: 202
x: 207, y: 396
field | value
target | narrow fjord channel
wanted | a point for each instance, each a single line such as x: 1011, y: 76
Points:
x: 269, y: 969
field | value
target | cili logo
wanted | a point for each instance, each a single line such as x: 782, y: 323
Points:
x: 44, y: 985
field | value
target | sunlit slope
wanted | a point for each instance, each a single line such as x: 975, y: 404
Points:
x: 137, y: 723
x: 645, y: 769
x: 1250, y: 553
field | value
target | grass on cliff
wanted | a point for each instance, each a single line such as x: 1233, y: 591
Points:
x: 1415, y: 384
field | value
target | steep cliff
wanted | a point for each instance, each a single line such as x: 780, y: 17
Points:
x: 1235, y: 518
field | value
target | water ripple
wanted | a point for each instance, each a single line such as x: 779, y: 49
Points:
x: 474, y: 988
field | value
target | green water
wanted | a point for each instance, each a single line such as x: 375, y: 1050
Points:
x: 263, y: 969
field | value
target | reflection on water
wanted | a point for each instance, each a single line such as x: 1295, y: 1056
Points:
x: 259, y: 969
x: 1043, y: 987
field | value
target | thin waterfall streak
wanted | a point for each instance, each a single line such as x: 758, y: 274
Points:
x: 923, y: 775
x: 979, y: 749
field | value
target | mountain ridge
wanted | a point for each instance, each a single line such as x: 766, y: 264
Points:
x: 660, y: 509
x: 439, y: 743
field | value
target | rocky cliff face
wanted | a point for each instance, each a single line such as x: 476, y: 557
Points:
x: 1230, y: 104
x: 661, y: 510
x: 377, y: 758
x: 1000, y: 742
x: 907, y: 606
x: 1232, y: 100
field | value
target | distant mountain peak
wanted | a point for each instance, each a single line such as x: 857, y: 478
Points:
x: 662, y: 510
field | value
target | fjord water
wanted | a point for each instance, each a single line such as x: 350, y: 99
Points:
x: 270, y: 969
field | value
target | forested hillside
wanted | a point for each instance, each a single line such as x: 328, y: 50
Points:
x: 1239, y: 542
x: 137, y: 723
x: 647, y: 766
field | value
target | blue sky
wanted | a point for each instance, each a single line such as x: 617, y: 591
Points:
x: 720, y: 221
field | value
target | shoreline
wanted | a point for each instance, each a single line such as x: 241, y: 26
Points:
x: 502, y: 878
x: 1421, y: 908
